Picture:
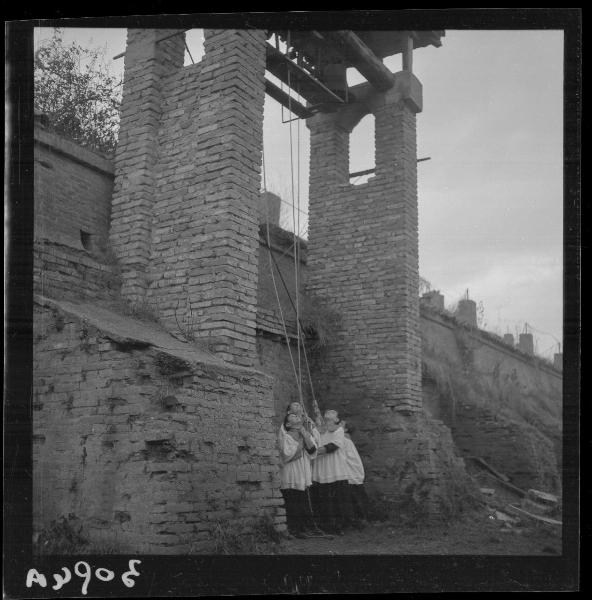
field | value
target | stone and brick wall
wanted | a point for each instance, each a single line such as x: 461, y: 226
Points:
x: 149, y: 441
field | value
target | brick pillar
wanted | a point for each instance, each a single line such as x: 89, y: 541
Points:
x: 223, y: 282
x: 363, y: 246
x: 147, y: 62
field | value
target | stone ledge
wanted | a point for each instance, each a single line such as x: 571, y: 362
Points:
x: 126, y: 330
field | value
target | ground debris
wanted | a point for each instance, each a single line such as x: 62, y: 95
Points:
x: 542, y: 497
x: 501, y: 516
x: 539, y: 518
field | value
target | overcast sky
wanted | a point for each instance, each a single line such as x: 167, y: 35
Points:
x: 491, y: 197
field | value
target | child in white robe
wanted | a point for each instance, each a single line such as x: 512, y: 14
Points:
x: 297, y: 448
x: 330, y: 478
x: 357, y: 493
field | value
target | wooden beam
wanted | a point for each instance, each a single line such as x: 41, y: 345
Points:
x: 408, y: 53
x: 362, y: 58
x: 284, y: 99
x: 298, y: 79
x: 360, y: 173
x: 370, y: 171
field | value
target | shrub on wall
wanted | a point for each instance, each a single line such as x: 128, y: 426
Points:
x: 73, y: 87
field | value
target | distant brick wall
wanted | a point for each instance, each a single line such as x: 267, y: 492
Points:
x: 272, y: 349
x: 151, y: 450
x: 281, y: 267
x: 73, y: 188
x: 275, y: 361
x: 440, y: 336
x: 185, y: 212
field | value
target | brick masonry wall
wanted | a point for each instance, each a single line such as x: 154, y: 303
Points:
x: 73, y: 188
x: 61, y: 271
x: 272, y: 350
x: 151, y: 448
x: 281, y: 263
x: 72, y: 194
x: 275, y: 360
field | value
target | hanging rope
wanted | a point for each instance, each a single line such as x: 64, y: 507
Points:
x: 296, y: 245
x: 277, y: 296
x: 315, y: 404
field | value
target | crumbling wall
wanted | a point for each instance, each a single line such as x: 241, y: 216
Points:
x: 150, y: 443
x: 502, y: 405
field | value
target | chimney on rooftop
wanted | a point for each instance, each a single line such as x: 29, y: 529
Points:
x: 467, y: 312
x: 269, y: 208
x: 434, y: 299
x: 526, y: 344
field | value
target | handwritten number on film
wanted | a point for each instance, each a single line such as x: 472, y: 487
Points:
x: 83, y: 570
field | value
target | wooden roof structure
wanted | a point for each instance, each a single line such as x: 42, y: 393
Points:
x: 313, y: 63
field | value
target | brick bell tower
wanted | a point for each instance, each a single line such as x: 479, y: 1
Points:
x: 185, y: 217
